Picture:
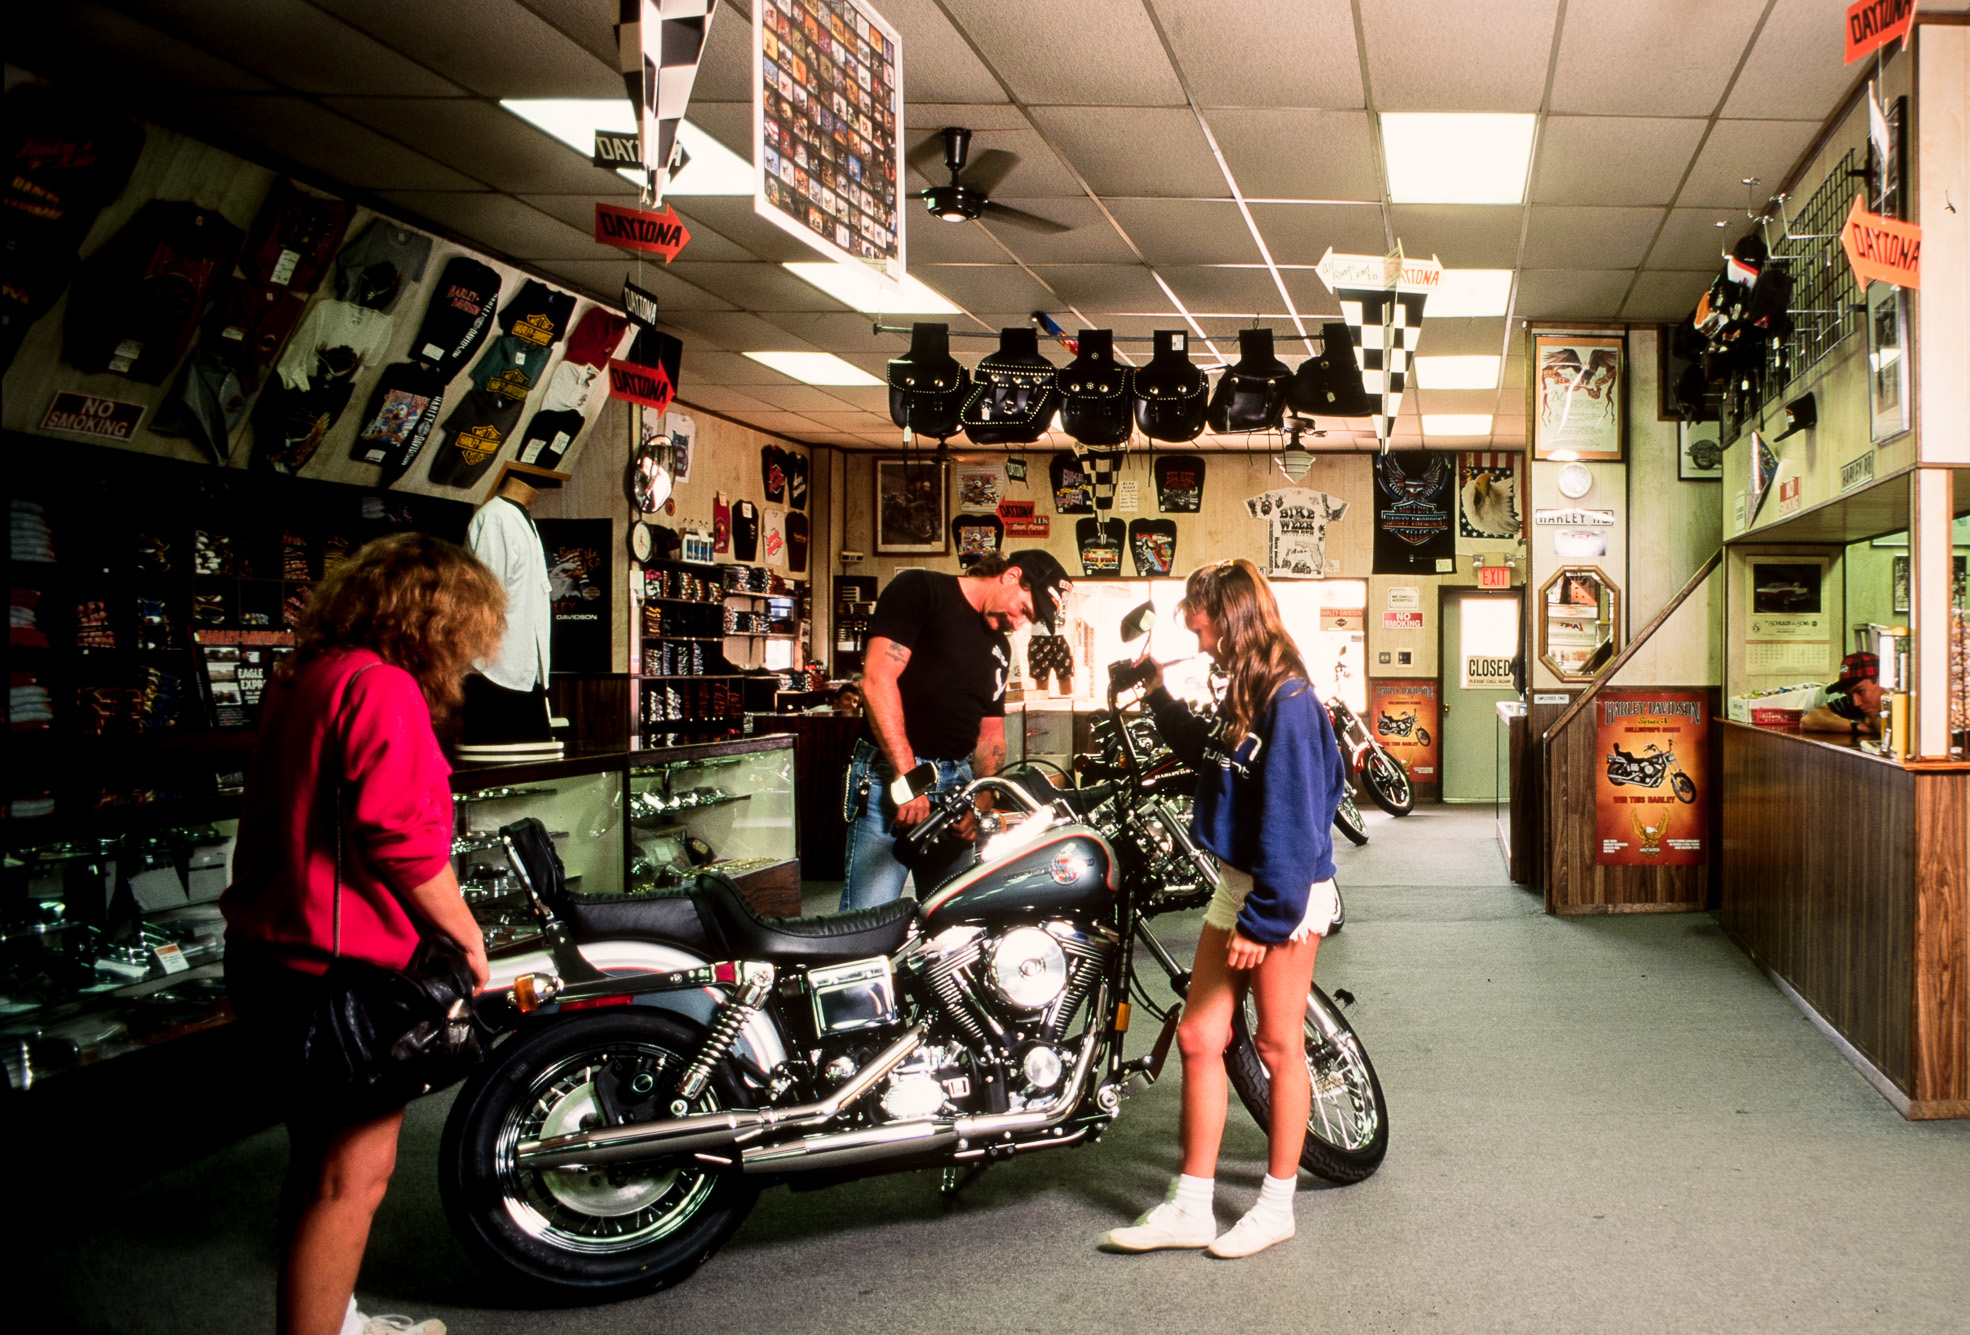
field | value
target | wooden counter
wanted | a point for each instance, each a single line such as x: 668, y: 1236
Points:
x: 1847, y: 878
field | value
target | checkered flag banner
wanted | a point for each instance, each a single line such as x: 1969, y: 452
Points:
x: 658, y: 43
x: 1102, y: 466
x: 1382, y: 300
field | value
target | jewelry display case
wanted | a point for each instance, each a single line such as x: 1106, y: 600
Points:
x: 727, y: 807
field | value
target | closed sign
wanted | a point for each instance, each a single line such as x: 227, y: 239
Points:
x: 1483, y: 673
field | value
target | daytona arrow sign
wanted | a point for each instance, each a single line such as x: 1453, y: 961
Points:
x: 1885, y: 250
x: 1379, y: 271
x: 647, y: 385
x: 1872, y: 24
x: 633, y: 229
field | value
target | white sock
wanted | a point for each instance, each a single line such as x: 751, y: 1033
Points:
x: 1192, y: 1195
x: 354, y: 1321
x: 1276, y: 1197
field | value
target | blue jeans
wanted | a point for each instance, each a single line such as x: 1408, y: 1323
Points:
x: 873, y: 875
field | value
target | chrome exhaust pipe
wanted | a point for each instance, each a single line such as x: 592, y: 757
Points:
x: 911, y: 1140
x: 705, y: 1132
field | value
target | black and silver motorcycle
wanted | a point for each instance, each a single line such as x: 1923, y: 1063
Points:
x: 670, y: 1056
x: 1402, y: 725
x: 1368, y: 763
x: 1650, y: 769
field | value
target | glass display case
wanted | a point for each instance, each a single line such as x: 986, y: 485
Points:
x: 580, y: 801
x: 722, y: 806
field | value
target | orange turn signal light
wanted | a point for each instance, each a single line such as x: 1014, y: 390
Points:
x: 526, y: 992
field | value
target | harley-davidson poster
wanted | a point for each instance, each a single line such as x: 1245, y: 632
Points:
x: 1403, y: 717
x: 1415, y: 513
x: 1651, y: 768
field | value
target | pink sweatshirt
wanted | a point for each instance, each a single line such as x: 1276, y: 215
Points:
x: 396, y: 815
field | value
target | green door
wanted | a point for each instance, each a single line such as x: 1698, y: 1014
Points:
x: 1480, y: 640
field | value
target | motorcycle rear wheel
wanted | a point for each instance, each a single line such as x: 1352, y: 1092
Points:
x: 1347, y: 1132
x: 593, y: 1235
x: 1387, y: 783
x: 1347, y: 819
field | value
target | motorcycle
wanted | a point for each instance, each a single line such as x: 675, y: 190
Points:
x: 1402, y: 725
x: 1649, y: 770
x: 670, y: 1056
x: 1368, y: 764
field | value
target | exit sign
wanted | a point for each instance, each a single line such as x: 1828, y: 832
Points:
x: 1494, y: 577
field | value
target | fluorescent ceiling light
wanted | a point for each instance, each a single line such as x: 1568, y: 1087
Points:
x: 1457, y: 157
x: 861, y: 288
x: 1468, y: 293
x: 1456, y: 424
x: 816, y: 368
x: 1457, y: 372
x: 711, y: 169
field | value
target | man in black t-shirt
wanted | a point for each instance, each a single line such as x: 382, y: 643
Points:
x: 935, y: 685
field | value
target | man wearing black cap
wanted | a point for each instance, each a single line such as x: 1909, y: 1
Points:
x: 1853, y: 703
x: 934, y: 685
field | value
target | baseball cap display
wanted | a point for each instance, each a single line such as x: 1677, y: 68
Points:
x: 1855, y: 669
x: 1047, y: 580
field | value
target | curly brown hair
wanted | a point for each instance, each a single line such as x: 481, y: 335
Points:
x: 1254, y: 647
x: 420, y: 603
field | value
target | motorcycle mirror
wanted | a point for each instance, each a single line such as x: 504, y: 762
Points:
x: 1138, y: 623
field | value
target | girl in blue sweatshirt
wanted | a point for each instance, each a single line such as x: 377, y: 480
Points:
x: 1270, y: 776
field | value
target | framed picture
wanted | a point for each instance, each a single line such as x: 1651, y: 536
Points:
x: 1579, y: 384
x: 1900, y: 568
x: 1699, y: 452
x: 910, y: 508
x: 1887, y: 346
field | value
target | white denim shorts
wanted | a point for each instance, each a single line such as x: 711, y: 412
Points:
x: 1322, y: 904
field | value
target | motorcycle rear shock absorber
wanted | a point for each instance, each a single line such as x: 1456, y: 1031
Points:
x: 756, y: 980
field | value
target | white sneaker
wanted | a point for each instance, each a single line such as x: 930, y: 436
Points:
x: 1251, y: 1235
x: 402, y: 1325
x: 1168, y: 1225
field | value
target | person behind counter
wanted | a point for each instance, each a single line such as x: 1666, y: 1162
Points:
x: 345, y: 850
x: 1853, y: 703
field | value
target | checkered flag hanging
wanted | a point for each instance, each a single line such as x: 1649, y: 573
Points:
x: 1385, y: 324
x: 658, y: 43
x: 1102, y: 466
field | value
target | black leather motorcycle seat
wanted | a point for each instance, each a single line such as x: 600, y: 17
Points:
x: 672, y: 919
x: 829, y: 938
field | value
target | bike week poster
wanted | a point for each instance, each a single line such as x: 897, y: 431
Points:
x: 1402, y: 715
x: 1649, y: 803
x: 1415, y: 520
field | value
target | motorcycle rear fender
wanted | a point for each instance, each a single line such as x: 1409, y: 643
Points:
x: 760, y: 1038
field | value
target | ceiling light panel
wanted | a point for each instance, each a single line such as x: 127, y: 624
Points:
x: 710, y: 168
x: 1470, y: 293
x: 815, y: 368
x: 1457, y: 158
x: 1453, y: 424
x: 861, y: 288
x: 1457, y: 372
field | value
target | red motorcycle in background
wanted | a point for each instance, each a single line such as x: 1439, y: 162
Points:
x: 1368, y: 764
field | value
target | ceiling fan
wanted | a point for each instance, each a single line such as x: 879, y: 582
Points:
x: 970, y: 200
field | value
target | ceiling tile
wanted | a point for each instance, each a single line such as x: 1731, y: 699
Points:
x: 500, y: 223
x: 492, y: 144
x: 84, y: 41
x: 1187, y: 231
x: 292, y: 130
x: 925, y: 117
x: 1665, y: 294
x: 1737, y: 149
x: 1795, y: 72
x: 1302, y: 233
x: 869, y: 399
x: 1692, y: 240
x: 705, y: 366
x: 1461, y: 337
x: 1558, y: 236
x: 1451, y: 55
x: 493, y: 47
x: 725, y: 66
x: 295, y: 44
x: 1612, y: 159
x: 1632, y: 59
x: 842, y: 334
x: 1154, y: 151
x: 801, y: 399
x: 1103, y: 52
x: 1463, y: 236
x: 1206, y: 289
x: 754, y: 286
x: 1291, y: 154
x: 1105, y: 287
x: 578, y: 211
x: 978, y: 287
x: 938, y: 66
x: 604, y: 277
x: 1306, y: 58
x: 933, y: 241
x: 1090, y: 240
x: 1453, y: 400
x: 732, y: 217
x: 738, y: 331
x: 1038, y: 171
x: 1571, y: 294
x: 716, y: 398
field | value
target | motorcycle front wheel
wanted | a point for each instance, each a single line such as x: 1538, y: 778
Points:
x: 1347, y: 819
x: 1422, y: 736
x: 587, y: 1235
x: 1684, y: 786
x: 1387, y: 783
x: 1347, y: 1130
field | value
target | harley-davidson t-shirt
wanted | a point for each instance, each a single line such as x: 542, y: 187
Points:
x: 1073, y: 486
x: 958, y: 665
x: 1153, y: 545
x: 1101, y: 542
x: 976, y: 536
x: 1296, y: 528
x: 773, y: 472
x: 721, y: 525
x: 1179, y: 483
x: 745, y: 530
x: 796, y: 480
x: 796, y: 541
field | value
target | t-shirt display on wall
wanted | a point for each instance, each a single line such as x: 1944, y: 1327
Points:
x: 979, y: 489
x: 1296, y: 521
x: 579, y: 563
x: 745, y: 530
x: 375, y: 268
x: 1073, y: 485
x: 1414, y: 532
x: 796, y: 480
x: 1179, y: 483
x: 1101, y: 542
x: 139, y: 297
x: 721, y: 524
x: 773, y: 537
x: 796, y: 542
x: 975, y: 535
x: 1153, y: 545
x: 773, y: 472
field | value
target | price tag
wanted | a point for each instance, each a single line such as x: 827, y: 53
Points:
x: 172, y: 958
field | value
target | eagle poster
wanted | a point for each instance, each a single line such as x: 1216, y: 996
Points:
x: 1487, y: 493
x: 1415, y: 521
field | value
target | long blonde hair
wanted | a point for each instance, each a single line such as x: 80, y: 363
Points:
x: 423, y: 604
x: 1253, y: 646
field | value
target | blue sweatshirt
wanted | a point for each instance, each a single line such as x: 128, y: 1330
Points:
x: 1266, y: 807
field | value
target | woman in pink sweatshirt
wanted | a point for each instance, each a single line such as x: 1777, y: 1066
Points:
x: 344, y: 848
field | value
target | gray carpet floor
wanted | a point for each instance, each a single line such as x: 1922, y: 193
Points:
x: 1610, y: 1124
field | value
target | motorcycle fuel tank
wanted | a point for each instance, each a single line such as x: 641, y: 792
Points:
x: 1070, y: 871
